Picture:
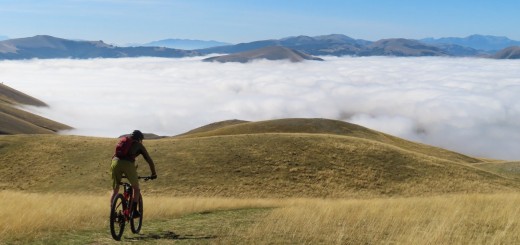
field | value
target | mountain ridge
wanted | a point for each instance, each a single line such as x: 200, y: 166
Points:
x: 46, y: 47
x: 478, y: 42
x: 186, y: 44
x: 339, y: 45
x: 401, y: 47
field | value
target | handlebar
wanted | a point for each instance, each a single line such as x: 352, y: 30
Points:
x: 146, y: 178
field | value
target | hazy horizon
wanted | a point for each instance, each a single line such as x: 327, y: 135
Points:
x: 468, y: 105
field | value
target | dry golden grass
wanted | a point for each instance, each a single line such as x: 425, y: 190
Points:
x: 447, y: 219
x: 380, y: 189
x: 29, y: 215
x: 453, y: 219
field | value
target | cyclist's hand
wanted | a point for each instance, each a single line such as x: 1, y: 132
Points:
x: 154, y: 176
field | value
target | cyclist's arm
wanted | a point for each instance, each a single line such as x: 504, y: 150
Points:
x: 148, y: 159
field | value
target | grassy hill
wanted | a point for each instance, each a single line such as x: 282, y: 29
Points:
x: 17, y: 121
x: 12, y: 96
x: 278, y: 158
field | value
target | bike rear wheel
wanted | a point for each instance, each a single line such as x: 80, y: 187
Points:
x: 117, y: 217
x: 136, y: 223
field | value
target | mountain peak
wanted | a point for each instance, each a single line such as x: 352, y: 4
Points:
x: 38, y: 41
x: 335, y: 37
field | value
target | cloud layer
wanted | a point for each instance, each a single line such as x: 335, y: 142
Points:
x: 464, y: 104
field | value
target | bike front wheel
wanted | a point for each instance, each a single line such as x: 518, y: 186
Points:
x: 117, y: 217
x: 136, y: 223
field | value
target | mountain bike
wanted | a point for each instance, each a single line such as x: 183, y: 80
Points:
x: 121, y: 213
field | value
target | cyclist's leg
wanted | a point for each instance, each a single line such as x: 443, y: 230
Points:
x: 137, y: 195
x: 117, y: 174
x: 131, y: 173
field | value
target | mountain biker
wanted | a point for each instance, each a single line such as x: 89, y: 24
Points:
x: 126, y: 165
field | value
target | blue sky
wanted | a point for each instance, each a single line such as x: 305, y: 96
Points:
x: 139, y: 21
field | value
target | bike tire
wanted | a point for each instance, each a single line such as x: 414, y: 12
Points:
x: 117, y: 217
x: 136, y: 223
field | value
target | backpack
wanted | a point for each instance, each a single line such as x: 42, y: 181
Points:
x: 123, y: 147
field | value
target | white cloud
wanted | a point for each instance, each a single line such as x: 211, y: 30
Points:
x: 463, y: 104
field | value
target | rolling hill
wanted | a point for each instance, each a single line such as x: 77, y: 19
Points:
x: 16, y: 121
x: 276, y: 158
x: 508, y: 53
x: 13, y: 96
x: 268, y: 53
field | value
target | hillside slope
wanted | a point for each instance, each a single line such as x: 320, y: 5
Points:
x: 268, y: 53
x: 320, y: 126
x: 508, y: 53
x: 17, y: 121
x: 287, y: 163
x: 13, y: 96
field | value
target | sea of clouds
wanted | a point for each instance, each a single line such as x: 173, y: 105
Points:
x: 469, y: 105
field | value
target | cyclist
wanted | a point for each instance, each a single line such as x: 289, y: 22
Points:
x: 126, y: 165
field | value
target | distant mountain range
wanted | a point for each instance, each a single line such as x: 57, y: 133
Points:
x: 186, y: 44
x: 339, y: 45
x: 44, y: 47
x: 478, y: 42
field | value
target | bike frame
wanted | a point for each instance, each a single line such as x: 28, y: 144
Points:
x: 128, y: 194
x: 125, y: 214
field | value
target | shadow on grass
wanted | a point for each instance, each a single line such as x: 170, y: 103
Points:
x: 167, y: 235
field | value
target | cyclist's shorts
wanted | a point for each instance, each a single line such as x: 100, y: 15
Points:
x: 119, y: 167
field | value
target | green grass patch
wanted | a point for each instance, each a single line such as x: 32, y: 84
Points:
x: 198, y: 228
